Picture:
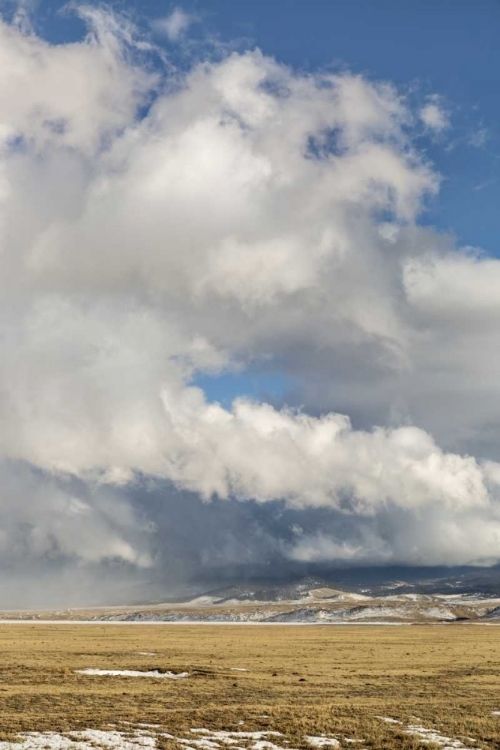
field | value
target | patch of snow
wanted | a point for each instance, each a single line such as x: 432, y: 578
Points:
x: 149, y: 726
x: 147, y: 653
x: 222, y: 735
x: 238, y: 669
x: 98, y: 737
x: 362, y: 613
x: 265, y: 745
x: 431, y: 736
x: 86, y: 740
x: 137, y: 738
x: 205, y: 600
x: 132, y: 673
x: 322, y: 741
x: 259, y: 740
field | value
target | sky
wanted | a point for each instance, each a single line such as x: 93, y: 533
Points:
x: 249, y: 308
x: 449, y: 46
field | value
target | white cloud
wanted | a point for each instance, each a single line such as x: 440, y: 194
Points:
x: 72, y: 95
x: 254, y: 215
x: 479, y: 137
x: 434, y: 115
x: 175, y: 25
x: 257, y: 452
x: 23, y: 14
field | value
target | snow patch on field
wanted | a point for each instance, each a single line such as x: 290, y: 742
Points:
x: 132, y: 673
x: 211, y: 740
x: 140, y: 739
x: 144, y: 737
x: 231, y: 738
x: 86, y: 740
x: 149, y: 726
x: 429, y: 736
x: 322, y: 741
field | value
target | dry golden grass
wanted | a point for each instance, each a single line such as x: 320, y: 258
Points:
x: 307, y: 680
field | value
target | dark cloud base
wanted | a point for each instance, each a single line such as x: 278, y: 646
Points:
x: 199, y: 547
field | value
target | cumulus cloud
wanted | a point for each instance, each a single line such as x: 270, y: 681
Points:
x: 68, y: 96
x: 254, y: 215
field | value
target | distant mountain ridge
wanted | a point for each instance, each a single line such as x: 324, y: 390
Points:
x: 308, y: 600
x: 312, y: 585
x: 370, y: 582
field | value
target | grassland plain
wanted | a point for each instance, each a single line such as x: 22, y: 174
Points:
x: 300, y: 681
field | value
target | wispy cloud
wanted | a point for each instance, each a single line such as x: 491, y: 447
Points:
x: 484, y: 185
x: 434, y: 115
x: 175, y: 25
x: 478, y: 138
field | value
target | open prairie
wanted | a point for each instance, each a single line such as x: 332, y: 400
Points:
x: 329, y: 684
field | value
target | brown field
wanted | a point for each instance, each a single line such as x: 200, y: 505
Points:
x: 305, y: 680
